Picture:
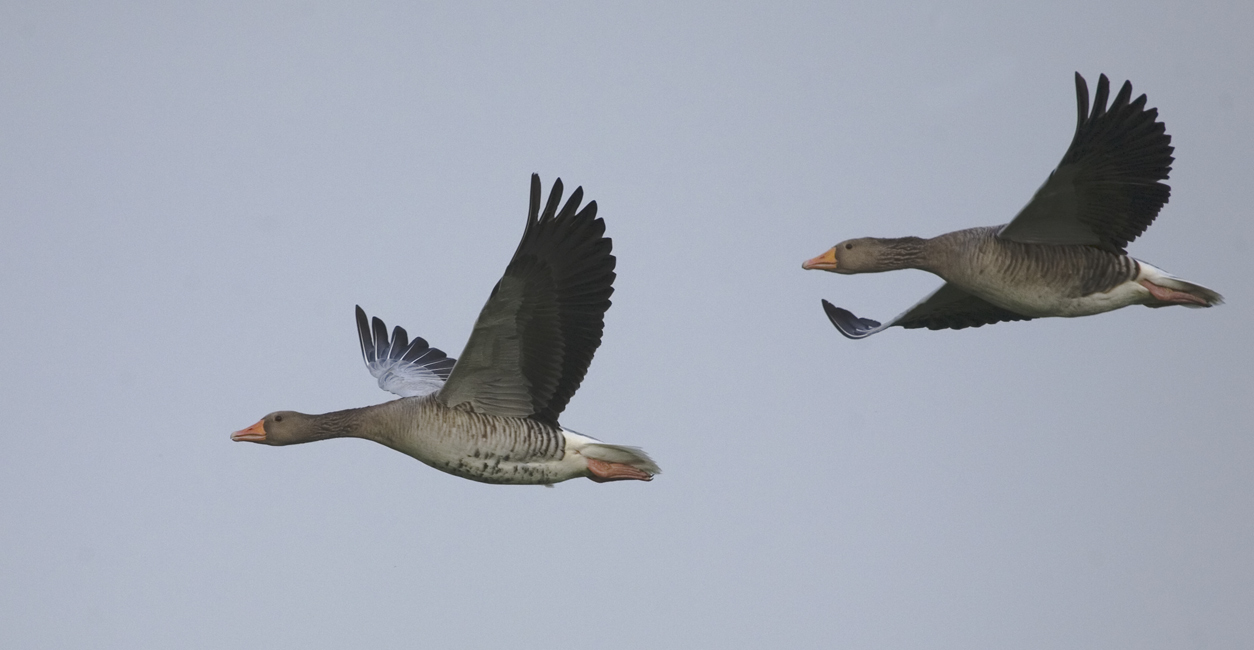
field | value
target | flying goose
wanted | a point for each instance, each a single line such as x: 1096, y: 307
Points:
x: 1063, y: 255
x: 492, y: 416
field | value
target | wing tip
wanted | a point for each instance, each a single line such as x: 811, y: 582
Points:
x: 363, y: 334
x: 1081, y: 99
x: 849, y: 325
x: 401, y: 364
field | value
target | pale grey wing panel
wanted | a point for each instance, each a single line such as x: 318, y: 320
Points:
x: 406, y: 368
x: 536, y: 335
x: 1052, y: 216
x: 1106, y: 190
x: 488, y: 377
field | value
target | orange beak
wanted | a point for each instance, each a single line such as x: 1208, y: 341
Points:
x: 255, y: 433
x: 824, y: 262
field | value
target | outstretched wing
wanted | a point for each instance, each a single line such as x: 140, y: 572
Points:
x: 407, y: 368
x: 946, y: 308
x: 536, y: 335
x: 1106, y: 190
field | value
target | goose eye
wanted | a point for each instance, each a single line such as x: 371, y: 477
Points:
x: 278, y: 418
x: 848, y: 247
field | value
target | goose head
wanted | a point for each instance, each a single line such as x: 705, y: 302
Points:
x: 850, y: 256
x: 283, y: 428
x: 868, y: 255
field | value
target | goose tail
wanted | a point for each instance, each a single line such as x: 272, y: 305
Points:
x: 1179, y: 292
x: 608, y: 462
x: 622, y: 454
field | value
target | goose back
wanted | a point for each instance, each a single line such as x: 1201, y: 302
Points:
x: 1030, y: 279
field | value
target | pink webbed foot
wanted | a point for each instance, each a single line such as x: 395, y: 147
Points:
x: 1172, y: 296
x: 604, y: 471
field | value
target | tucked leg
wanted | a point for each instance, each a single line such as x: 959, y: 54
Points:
x: 603, y: 471
x: 1172, y: 296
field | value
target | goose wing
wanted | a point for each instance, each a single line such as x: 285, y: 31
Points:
x: 407, y: 368
x: 1106, y: 190
x: 946, y: 308
x: 536, y: 335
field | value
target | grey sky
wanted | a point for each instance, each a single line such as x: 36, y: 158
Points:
x: 193, y: 198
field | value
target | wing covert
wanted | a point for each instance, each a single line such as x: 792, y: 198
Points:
x: 952, y: 308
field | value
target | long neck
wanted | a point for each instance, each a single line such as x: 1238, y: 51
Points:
x: 349, y: 423
x: 901, y: 253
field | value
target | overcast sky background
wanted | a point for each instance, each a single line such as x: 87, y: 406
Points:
x: 195, y: 196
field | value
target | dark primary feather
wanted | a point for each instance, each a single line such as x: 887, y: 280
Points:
x: 544, y: 319
x: 1106, y: 190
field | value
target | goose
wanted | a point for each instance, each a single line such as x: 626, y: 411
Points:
x: 1064, y: 254
x: 492, y: 415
